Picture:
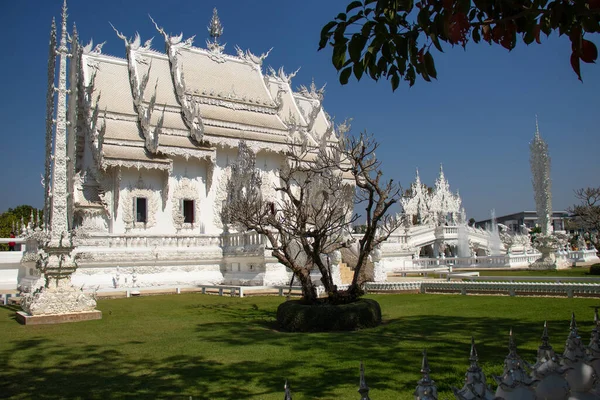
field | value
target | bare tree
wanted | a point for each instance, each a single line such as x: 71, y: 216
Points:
x: 313, y: 215
x: 587, y: 212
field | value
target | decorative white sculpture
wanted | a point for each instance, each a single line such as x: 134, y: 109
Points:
x: 56, y: 261
x: 545, y: 242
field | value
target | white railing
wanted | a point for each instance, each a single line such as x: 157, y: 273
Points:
x: 557, y: 279
x: 20, y: 242
x: 242, y: 239
x: 150, y: 241
x: 502, y: 261
x: 510, y: 288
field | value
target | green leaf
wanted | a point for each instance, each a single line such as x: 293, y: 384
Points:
x: 341, y: 16
x: 326, y: 34
x: 339, y: 56
x: 430, y: 65
x: 366, y: 29
x: 395, y: 82
x: 345, y: 75
x: 436, y: 42
x: 353, y: 5
x: 545, y: 25
x: 356, y: 46
x: 476, y: 35
x: 385, y: 51
x: 410, y: 75
x: 423, y: 19
x: 358, y: 70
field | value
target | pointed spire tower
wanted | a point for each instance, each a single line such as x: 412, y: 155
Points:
x: 59, y: 225
x: 539, y: 160
x: 56, y: 261
x: 49, y: 122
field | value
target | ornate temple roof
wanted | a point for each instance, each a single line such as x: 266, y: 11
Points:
x: 190, y: 98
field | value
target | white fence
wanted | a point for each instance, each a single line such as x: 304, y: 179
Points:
x: 502, y: 261
x: 572, y: 375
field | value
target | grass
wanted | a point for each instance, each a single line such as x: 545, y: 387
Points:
x: 213, y: 347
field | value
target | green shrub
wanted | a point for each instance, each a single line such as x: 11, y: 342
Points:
x: 595, y: 269
x: 295, y: 316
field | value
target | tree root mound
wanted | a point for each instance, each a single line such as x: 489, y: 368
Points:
x: 296, y: 316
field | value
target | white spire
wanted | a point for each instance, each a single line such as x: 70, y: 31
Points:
x: 58, y: 202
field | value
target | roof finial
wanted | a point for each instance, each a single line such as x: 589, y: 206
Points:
x: 215, y: 28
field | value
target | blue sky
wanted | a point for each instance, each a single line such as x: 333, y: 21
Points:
x: 477, y: 118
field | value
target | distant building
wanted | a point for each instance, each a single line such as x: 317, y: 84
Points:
x: 527, y: 218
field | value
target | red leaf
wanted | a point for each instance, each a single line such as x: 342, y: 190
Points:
x: 497, y: 33
x: 589, y: 52
x: 487, y: 33
x: 575, y: 65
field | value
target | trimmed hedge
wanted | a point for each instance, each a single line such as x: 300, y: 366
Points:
x: 595, y: 269
x: 295, y: 316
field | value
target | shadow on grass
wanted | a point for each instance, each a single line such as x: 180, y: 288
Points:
x: 316, y: 365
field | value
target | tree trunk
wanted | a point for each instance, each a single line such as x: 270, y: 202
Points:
x: 309, y: 291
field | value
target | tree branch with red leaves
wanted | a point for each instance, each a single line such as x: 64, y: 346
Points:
x: 393, y: 38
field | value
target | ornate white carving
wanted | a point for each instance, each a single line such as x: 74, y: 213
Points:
x: 542, y: 184
x: 190, y: 110
x: 417, y: 203
x: 60, y: 299
x: 87, y: 49
x: 221, y: 195
x: 140, y: 190
x: 249, y: 58
x: 185, y: 152
x: 106, y: 163
x: 255, y: 146
x: 243, y: 127
x: 268, y: 185
x: 431, y: 208
x: 281, y: 75
x: 49, y: 122
x: 138, y: 86
x: 230, y: 100
x: 215, y: 30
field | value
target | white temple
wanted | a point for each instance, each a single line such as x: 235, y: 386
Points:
x: 150, y: 140
x: 438, y: 206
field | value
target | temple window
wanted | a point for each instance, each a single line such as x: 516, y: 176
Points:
x: 141, y: 209
x: 188, y: 211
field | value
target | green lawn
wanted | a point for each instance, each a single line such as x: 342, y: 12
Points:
x: 213, y: 347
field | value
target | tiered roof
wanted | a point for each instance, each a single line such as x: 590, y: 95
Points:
x: 188, y: 100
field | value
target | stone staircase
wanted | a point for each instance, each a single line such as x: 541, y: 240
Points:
x: 349, y: 258
x: 346, y: 273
